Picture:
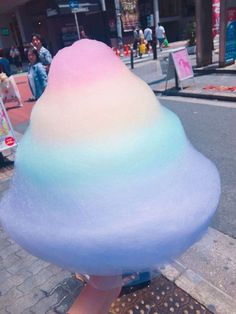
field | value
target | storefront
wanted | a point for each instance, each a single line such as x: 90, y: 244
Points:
x: 55, y: 21
x: 99, y: 19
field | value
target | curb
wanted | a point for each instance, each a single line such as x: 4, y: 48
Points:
x: 214, y: 71
x: 193, y: 94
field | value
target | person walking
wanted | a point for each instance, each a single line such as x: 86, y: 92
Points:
x: 16, y: 58
x: 37, y: 75
x: 83, y: 35
x: 160, y: 34
x: 135, y: 40
x: 44, y: 54
x: 148, y: 38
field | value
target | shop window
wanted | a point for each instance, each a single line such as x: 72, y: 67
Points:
x: 169, y: 8
x: 188, y: 8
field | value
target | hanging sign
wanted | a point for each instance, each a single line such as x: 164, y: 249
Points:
x: 7, y: 136
x: 129, y: 14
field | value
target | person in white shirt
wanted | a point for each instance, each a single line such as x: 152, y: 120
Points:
x: 160, y: 34
x: 148, y: 37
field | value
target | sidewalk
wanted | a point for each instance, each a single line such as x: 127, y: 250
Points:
x: 203, y: 278
x: 209, y: 82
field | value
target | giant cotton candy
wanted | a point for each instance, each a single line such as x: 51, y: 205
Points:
x: 106, y: 181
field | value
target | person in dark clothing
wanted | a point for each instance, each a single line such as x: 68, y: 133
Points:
x: 5, y: 64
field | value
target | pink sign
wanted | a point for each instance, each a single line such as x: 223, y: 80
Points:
x: 215, y: 17
x: 182, y: 64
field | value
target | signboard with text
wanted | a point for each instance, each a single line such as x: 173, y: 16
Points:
x: 7, y: 136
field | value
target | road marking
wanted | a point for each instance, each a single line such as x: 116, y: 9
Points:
x: 214, y: 102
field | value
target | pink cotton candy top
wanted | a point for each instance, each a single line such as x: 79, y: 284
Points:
x: 92, y: 65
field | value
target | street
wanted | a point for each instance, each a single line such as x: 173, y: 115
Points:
x: 210, y: 126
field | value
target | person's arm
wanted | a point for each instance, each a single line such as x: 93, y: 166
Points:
x: 164, y: 32
x: 47, y: 57
x: 42, y: 75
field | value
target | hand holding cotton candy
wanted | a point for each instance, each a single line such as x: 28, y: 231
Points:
x: 112, y: 184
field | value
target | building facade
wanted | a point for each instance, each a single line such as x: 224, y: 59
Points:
x: 104, y: 20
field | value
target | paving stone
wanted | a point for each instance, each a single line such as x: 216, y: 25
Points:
x: 23, y: 303
x: 3, y: 234
x: 54, y: 280
x: 24, y: 254
x: 3, y: 276
x: 6, y: 299
x: 13, y: 248
x: 10, y: 240
x: 45, y: 304
x: 37, y: 266
x: 3, y: 312
x: 22, y: 263
x: 35, y: 281
x: 13, y: 281
x: 54, y: 269
x: 4, y: 243
x: 28, y: 311
x: 7, y: 262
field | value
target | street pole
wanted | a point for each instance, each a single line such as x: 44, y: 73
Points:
x: 118, y: 21
x: 156, y: 21
x: 103, y: 4
x: 105, y: 22
x: 204, y: 32
x: 222, y: 42
x: 77, y: 25
x: 156, y: 12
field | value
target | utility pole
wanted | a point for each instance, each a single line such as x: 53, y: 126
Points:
x: 156, y: 13
x: 204, y: 41
x: 156, y: 21
x: 77, y: 24
x: 223, y: 18
x: 105, y: 23
x: 118, y: 21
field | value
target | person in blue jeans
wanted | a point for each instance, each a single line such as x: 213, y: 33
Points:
x: 37, y: 75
